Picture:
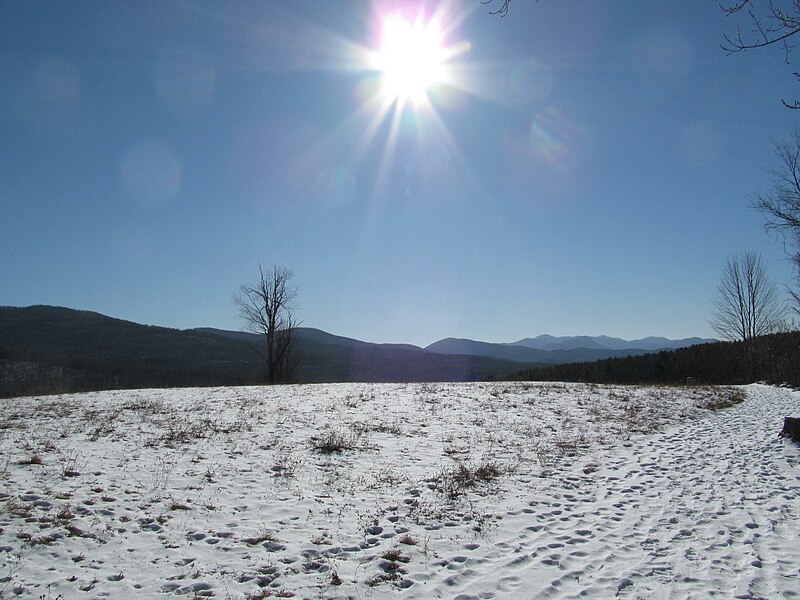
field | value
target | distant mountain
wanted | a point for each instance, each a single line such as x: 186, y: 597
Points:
x: 307, y: 333
x: 522, y: 354
x: 46, y: 349
x: 651, y: 344
x: 324, y: 357
x: 556, y: 350
x: 774, y: 359
x: 549, y: 343
x: 475, y: 348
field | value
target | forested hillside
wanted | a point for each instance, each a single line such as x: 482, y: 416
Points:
x: 46, y: 349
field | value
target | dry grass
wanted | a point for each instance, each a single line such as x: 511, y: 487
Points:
x: 455, y: 481
x: 333, y: 441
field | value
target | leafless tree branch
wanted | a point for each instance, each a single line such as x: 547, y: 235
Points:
x: 772, y: 22
x: 502, y: 10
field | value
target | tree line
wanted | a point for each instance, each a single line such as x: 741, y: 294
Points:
x: 771, y: 358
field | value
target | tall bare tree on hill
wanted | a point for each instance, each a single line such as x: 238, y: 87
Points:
x: 266, y: 309
x: 746, y: 303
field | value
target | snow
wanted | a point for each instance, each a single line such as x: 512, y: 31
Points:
x: 488, y: 490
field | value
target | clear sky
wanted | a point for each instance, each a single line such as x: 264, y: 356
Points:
x: 577, y: 167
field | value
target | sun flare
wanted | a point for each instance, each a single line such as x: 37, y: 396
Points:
x: 411, y: 58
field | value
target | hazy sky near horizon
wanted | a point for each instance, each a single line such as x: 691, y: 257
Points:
x: 578, y: 167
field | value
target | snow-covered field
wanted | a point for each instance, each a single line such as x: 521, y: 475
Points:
x: 408, y: 491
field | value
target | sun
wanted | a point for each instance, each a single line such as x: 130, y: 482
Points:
x: 411, y: 58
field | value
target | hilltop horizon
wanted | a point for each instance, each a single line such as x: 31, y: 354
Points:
x: 521, y: 341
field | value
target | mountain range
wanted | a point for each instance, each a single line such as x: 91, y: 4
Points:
x: 651, y: 344
x: 46, y: 348
x: 556, y: 350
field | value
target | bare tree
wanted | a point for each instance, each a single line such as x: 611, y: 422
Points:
x: 746, y: 303
x: 266, y: 309
x: 781, y: 206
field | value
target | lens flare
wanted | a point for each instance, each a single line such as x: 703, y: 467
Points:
x: 151, y: 173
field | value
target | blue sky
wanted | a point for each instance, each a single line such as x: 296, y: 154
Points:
x: 584, y: 169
